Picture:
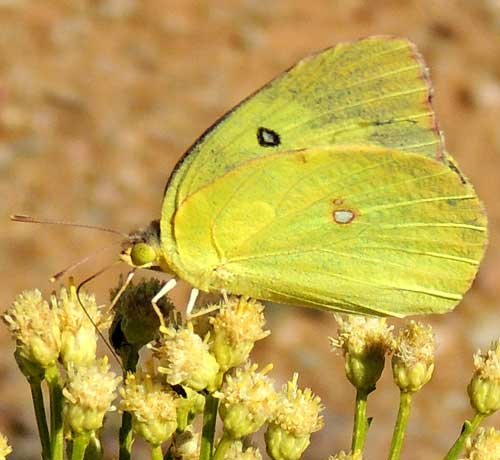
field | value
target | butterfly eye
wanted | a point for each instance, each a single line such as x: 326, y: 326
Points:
x: 142, y: 254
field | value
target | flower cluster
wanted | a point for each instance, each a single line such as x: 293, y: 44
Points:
x: 199, y: 366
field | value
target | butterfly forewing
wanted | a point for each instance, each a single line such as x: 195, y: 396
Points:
x: 371, y: 92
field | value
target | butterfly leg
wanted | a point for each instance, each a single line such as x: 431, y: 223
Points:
x: 204, y: 311
x: 192, y: 300
x: 167, y: 287
x: 121, y: 290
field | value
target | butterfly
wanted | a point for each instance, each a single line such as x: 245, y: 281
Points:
x: 330, y: 187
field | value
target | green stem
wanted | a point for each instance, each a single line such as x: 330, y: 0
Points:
x: 360, y: 423
x: 469, y: 427
x: 401, y: 423
x: 222, y: 448
x: 156, y: 452
x: 41, y: 418
x: 80, y: 443
x: 126, y: 436
x: 208, y: 432
x: 56, y: 413
x: 182, y: 420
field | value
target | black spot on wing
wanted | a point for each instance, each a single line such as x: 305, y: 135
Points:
x: 268, y: 137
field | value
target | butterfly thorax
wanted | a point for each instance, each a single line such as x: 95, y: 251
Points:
x: 142, y: 248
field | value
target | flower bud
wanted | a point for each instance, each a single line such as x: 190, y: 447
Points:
x: 413, y: 358
x: 185, y: 359
x: 78, y: 332
x: 35, y: 327
x: 295, y: 417
x: 247, y: 400
x: 237, y: 326
x: 236, y: 452
x: 134, y: 315
x: 364, y: 342
x: 89, y: 393
x: 30, y: 369
x: 5, y: 449
x: 282, y: 445
x: 186, y: 445
x: 484, y: 387
x: 152, y: 405
x: 485, y: 446
x: 346, y: 456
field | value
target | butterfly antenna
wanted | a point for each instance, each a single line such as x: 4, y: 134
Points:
x: 101, y: 335
x: 76, y: 264
x: 35, y: 220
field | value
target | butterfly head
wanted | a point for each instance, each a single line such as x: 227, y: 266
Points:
x: 142, y: 249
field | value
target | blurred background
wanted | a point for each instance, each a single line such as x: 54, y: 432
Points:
x: 98, y: 100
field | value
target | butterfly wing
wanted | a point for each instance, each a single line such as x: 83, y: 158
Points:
x: 371, y: 92
x: 358, y: 229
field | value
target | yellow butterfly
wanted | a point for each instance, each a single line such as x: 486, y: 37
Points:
x: 329, y: 188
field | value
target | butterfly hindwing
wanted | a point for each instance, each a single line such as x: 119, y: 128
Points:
x: 357, y: 228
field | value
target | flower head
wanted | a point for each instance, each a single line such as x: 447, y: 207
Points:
x: 5, y: 449
x: 413, y: 358
x: 485, y: 446
x: 186, y: 444
x: 364, y: 342
x: 484, y: 387
x: 137, y: 322
x: 297, y: 411
x: 89, y: 393
x: 247, y: 401
x: 345, y: 456
x: 295, y: 417
x: 237, y: 326
x: 152, y: 405
x: 236, y: 452
x: 35, y: 327
x: 185, y: 359
x: 78, y: 332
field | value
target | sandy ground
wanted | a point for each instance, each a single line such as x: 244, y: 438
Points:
x: 98, y: 99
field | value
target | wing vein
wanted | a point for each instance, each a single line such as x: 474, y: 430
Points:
x: 376, y: 285
x: 351, y: 255
x: 436, y: 224
x: 411, y: 202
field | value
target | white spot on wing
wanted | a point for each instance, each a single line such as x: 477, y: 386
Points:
x: 343, y: 216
